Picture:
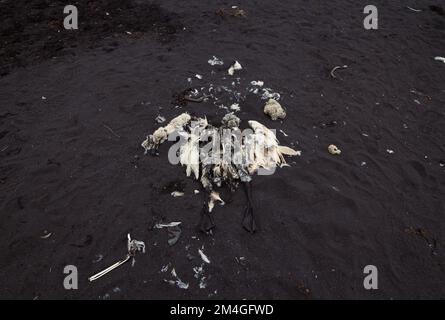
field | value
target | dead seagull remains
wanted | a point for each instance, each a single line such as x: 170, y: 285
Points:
x: 221, y: 155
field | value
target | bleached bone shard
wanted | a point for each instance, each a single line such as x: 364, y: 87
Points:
x: 274, y: 110
x: 333, y: 149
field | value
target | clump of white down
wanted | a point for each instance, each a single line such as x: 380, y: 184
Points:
x: 274, y: 110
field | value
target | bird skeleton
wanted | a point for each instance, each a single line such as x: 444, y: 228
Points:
x: 229, y: 158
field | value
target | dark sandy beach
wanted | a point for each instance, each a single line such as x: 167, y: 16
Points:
x: 75, y: 106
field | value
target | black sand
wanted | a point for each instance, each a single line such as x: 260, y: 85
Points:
x: 71, y: 164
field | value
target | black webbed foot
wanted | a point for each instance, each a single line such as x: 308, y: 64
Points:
x: 206, y: 223
x: 249, y: 222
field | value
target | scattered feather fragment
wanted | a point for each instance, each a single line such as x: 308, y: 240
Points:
x: 135, y: 245
x: 198, y: 76
x: 390, y: 151
x: 160, y: 119
x: 174, y: 233
x: 230, y: 120
x: 214, y: 197
x: 203, y: 283
x: 440, y: 59
x: 336, y: 68
x: 47, y: 235
x: 167, y: 225
x: 203, y: 256
x: 257, y: 83
x: 165, y: 268
x: 215, y: 61
x: 198, y: 271
x: 99, y: 257
x: 235, y: 107
x: 268, y: 93
x: 236, y: 66
x: 178, y: 281
x: 177, y: 194
x: 284, y: 133
x: 415, y: 10
x: 196, y: 191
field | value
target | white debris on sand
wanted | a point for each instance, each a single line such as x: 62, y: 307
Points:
x: 160, y: 119
x: 198, y: 76
x: 214, y: 197
x: 177, y: 281
x: 390, y: 151
x: 235, y: 107
x: 198, y: 271
x: 203, y: 256
x: 203, y: 283
x: 165, y: 268
x: 99, y: 257
x: 284, y: 133
x: 257, y: 83
x: 236, y: 66
x: 199, y: 274
x: 215, y: 61
x: 230, y: 120
x: 440, y: 59
x: 333, y: 149
x: 46, y: 235
x: 167, y: 225
x: 274, y: 110
x: 268, y: 93
x: 177, y: 194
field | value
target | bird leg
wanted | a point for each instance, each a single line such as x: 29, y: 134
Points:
x: 248, y: 220
x: 206, y: 222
